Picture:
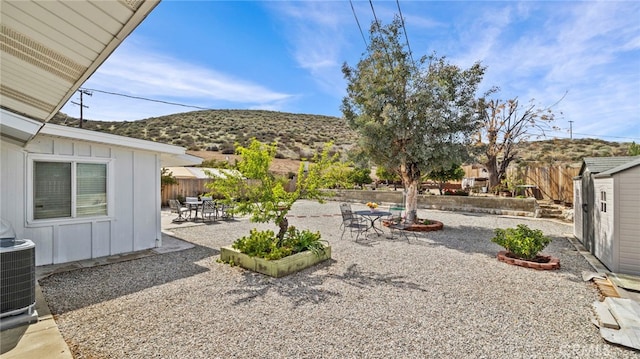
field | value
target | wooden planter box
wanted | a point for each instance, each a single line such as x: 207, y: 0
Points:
x: 274, y: 268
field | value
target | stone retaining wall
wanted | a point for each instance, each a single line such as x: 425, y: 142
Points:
x: 527, y: 207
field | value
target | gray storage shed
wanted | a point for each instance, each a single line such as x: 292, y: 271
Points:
x: 607, y: 211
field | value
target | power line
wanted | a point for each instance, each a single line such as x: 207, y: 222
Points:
x: 148, y: 99
x: 404, y: 29
x: 374, y: 12
x: 581, y: 134
x: 379, y: 30
x: 358, y: 22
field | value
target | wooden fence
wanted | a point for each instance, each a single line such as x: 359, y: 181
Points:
x: 553, y: 182
x: 186, y: 187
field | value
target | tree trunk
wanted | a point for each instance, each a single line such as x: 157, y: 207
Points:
x: 492, y: 169
x: 411, y: 204
x: 283, y: 223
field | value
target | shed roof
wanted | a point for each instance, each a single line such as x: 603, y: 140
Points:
x: 623, y: 167
x: 601, y: 164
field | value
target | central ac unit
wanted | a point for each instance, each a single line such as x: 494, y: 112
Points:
x: 17, y: 279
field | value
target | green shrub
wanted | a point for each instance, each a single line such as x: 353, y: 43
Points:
x: 265, y: 244
x: 522, y: 241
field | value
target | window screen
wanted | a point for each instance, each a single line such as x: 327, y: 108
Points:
x: 91, y: 189
x: 55, y: 192
x: 51, y: 190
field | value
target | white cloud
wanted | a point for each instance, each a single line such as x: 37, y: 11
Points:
x: 134, y: 71
x: 318, y: 39
x: 589, y: 49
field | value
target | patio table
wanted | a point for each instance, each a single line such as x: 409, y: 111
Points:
x: 373, y: 217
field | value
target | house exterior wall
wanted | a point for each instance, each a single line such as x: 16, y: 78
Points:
x: 627, y: 199
x: 604, y: 244
x: 133, y: 196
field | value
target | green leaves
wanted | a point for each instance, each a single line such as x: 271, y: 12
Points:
x: 522, y: 241
x: 265, y: 244
x: 417, y: 115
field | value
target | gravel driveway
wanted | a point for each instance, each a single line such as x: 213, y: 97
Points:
x: 442, y: 295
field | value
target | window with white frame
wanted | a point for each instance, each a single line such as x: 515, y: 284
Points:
x: 69, y: 189
x: 603, y: 201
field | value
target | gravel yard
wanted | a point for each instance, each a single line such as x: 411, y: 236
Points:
x: 441, y: 295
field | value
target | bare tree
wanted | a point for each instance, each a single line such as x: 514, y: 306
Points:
x: 504, y: 124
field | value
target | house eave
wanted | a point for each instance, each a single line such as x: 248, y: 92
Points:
x: 17, y: 129
x: 109, y: 139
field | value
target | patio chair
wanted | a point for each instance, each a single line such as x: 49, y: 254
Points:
x: 395, y: 217
x: 177, y: 208
x: 209, y: 210
x: 352, y: 222
x: 225, y: 211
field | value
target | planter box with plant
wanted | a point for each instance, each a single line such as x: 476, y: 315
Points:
x: 262, y: 195
x: 258, y: 252
x: 523, y: 246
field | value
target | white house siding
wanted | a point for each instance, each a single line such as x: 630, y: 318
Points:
x: 604, y: 245
x: 577, y: 209
x: 133, y: 222
x: 11, y: 186
x: 628, y: 218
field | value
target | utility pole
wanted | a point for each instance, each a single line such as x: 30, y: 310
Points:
x: 85, y: 92
x: 570, y: 130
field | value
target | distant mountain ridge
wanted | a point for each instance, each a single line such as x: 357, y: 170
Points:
x: 300, y: 135
x: 297, y: 135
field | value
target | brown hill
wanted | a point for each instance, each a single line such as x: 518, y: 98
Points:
x: 300, y: 135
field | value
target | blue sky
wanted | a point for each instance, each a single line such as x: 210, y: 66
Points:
x: 287, y: 56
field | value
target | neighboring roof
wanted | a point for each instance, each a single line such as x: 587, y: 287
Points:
x: 623, y: 167
x: 198, y: 172
x: 601, y: 164
x: 49, y: 48
x: 170, y: 155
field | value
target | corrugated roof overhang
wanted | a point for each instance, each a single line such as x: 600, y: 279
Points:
x: 49, y: 48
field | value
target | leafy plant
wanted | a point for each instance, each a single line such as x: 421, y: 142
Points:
x: 522, y: 241
x: 443, y: 174
x: 257, y: 192
x: 265, y: 244
x: 166, y: 177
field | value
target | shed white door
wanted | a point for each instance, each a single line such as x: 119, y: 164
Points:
x: 577, y: 209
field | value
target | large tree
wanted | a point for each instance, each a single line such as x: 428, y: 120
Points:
x: 504, y: 124
x: 412, y: 117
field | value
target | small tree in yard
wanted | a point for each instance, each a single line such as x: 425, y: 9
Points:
x: 504, y: 124
x: 257, y: 192
x: 166, y: 178
x: 412, y: 117
x: 360, y: 176
x: 443, y: 175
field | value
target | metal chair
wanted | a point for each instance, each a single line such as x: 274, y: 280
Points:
x: 209, y: 210
x: 177, y: 208
x: 352, y: 221
x: 225, y: 211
